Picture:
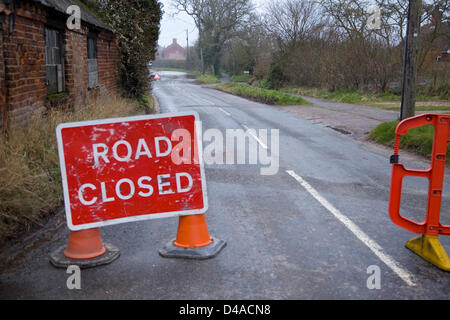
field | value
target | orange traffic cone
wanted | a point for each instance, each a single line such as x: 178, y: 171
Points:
x: 193, y: 240
x: 193, y: 232
x: 85, y: 249
x: 85, y: 244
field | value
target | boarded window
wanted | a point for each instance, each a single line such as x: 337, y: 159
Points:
x: 54, y: 61
x: 92, y: 61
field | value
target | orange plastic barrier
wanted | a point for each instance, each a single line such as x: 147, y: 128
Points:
x: 426, y: 246
x: 435, y: 174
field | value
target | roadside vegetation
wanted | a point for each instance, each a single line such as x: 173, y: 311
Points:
x: 261, y: 95
x: 137, y: 25
x: 329, y: 44
x: 241, y: 78
x: 389, y: 100
x: 30, y: 180
x: 418, y: 140
x: 206, y: 78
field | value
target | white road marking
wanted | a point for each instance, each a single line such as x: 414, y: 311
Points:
x: 254, y: 137
x: 405, y: 275
x: 226, y: 112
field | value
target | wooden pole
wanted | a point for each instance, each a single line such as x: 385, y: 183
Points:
x: 408, y: 107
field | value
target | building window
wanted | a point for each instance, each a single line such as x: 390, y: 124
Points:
x: 92, y: 61
x: 54, y: 61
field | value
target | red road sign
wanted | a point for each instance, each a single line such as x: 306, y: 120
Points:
x: 130, y: 169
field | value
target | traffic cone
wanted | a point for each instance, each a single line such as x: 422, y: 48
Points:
x: 193, y: 240
x: 85, y: 249
x: 85, y: 244
x: 193, y: 232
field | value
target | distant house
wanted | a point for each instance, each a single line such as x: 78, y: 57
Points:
x: 42, y: 61
x: 172, y: 52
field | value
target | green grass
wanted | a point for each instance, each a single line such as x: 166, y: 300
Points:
x: 345, y: 96
x: 355, y: 97
x: 262, y: 95
x: 241, y: 78
x: 145, y: 103
x: 396, y: 107
x: 207, y: 78
x: 419, y: 140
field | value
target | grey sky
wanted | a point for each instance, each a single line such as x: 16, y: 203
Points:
x: 174, y: 26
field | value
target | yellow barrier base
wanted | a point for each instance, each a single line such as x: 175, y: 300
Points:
x: 430, y: 249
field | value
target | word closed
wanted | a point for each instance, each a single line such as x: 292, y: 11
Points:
x: 131, y: 169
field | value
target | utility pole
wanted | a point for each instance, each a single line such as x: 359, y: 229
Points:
x: 187, y: 47
x: 408, y: 107
x: 202, y: 60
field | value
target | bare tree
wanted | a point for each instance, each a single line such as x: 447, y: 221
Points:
x: 292, y: 21
x: 218, y: 21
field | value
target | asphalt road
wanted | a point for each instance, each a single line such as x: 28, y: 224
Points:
x: 311, y: 231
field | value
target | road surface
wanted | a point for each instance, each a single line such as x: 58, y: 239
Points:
x: 311, y: 231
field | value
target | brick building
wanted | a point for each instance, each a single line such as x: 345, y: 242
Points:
x: 43, y: 63
x: 172, y: 52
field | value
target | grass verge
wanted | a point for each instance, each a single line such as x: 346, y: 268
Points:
x: 206, y: 78
x: 359, y: 97
x: 396, y: 107
x: 418, y: 140
x: 261, y: 95
x: 241, y: 78
x: 30, y: 181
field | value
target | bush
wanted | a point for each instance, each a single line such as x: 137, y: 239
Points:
x: 275, y: 76
x: 136, y: 24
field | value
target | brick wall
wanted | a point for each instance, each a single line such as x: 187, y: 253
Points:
x: 76, y: 68
x: 108, y: 61
x: 22, y: 62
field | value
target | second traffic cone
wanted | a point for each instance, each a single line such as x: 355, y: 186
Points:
x: 86, y: 249
x: 193, y: 240
x: 193, y: 232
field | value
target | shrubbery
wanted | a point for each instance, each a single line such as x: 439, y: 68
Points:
x: 136, y: 24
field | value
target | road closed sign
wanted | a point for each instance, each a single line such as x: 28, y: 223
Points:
x: 130, y: 169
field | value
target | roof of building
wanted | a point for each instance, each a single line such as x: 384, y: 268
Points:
x: 62, y: 5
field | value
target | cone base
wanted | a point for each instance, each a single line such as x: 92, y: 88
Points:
x: 59, y: 260
x: 170, y: 250
x: 430, y: 249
